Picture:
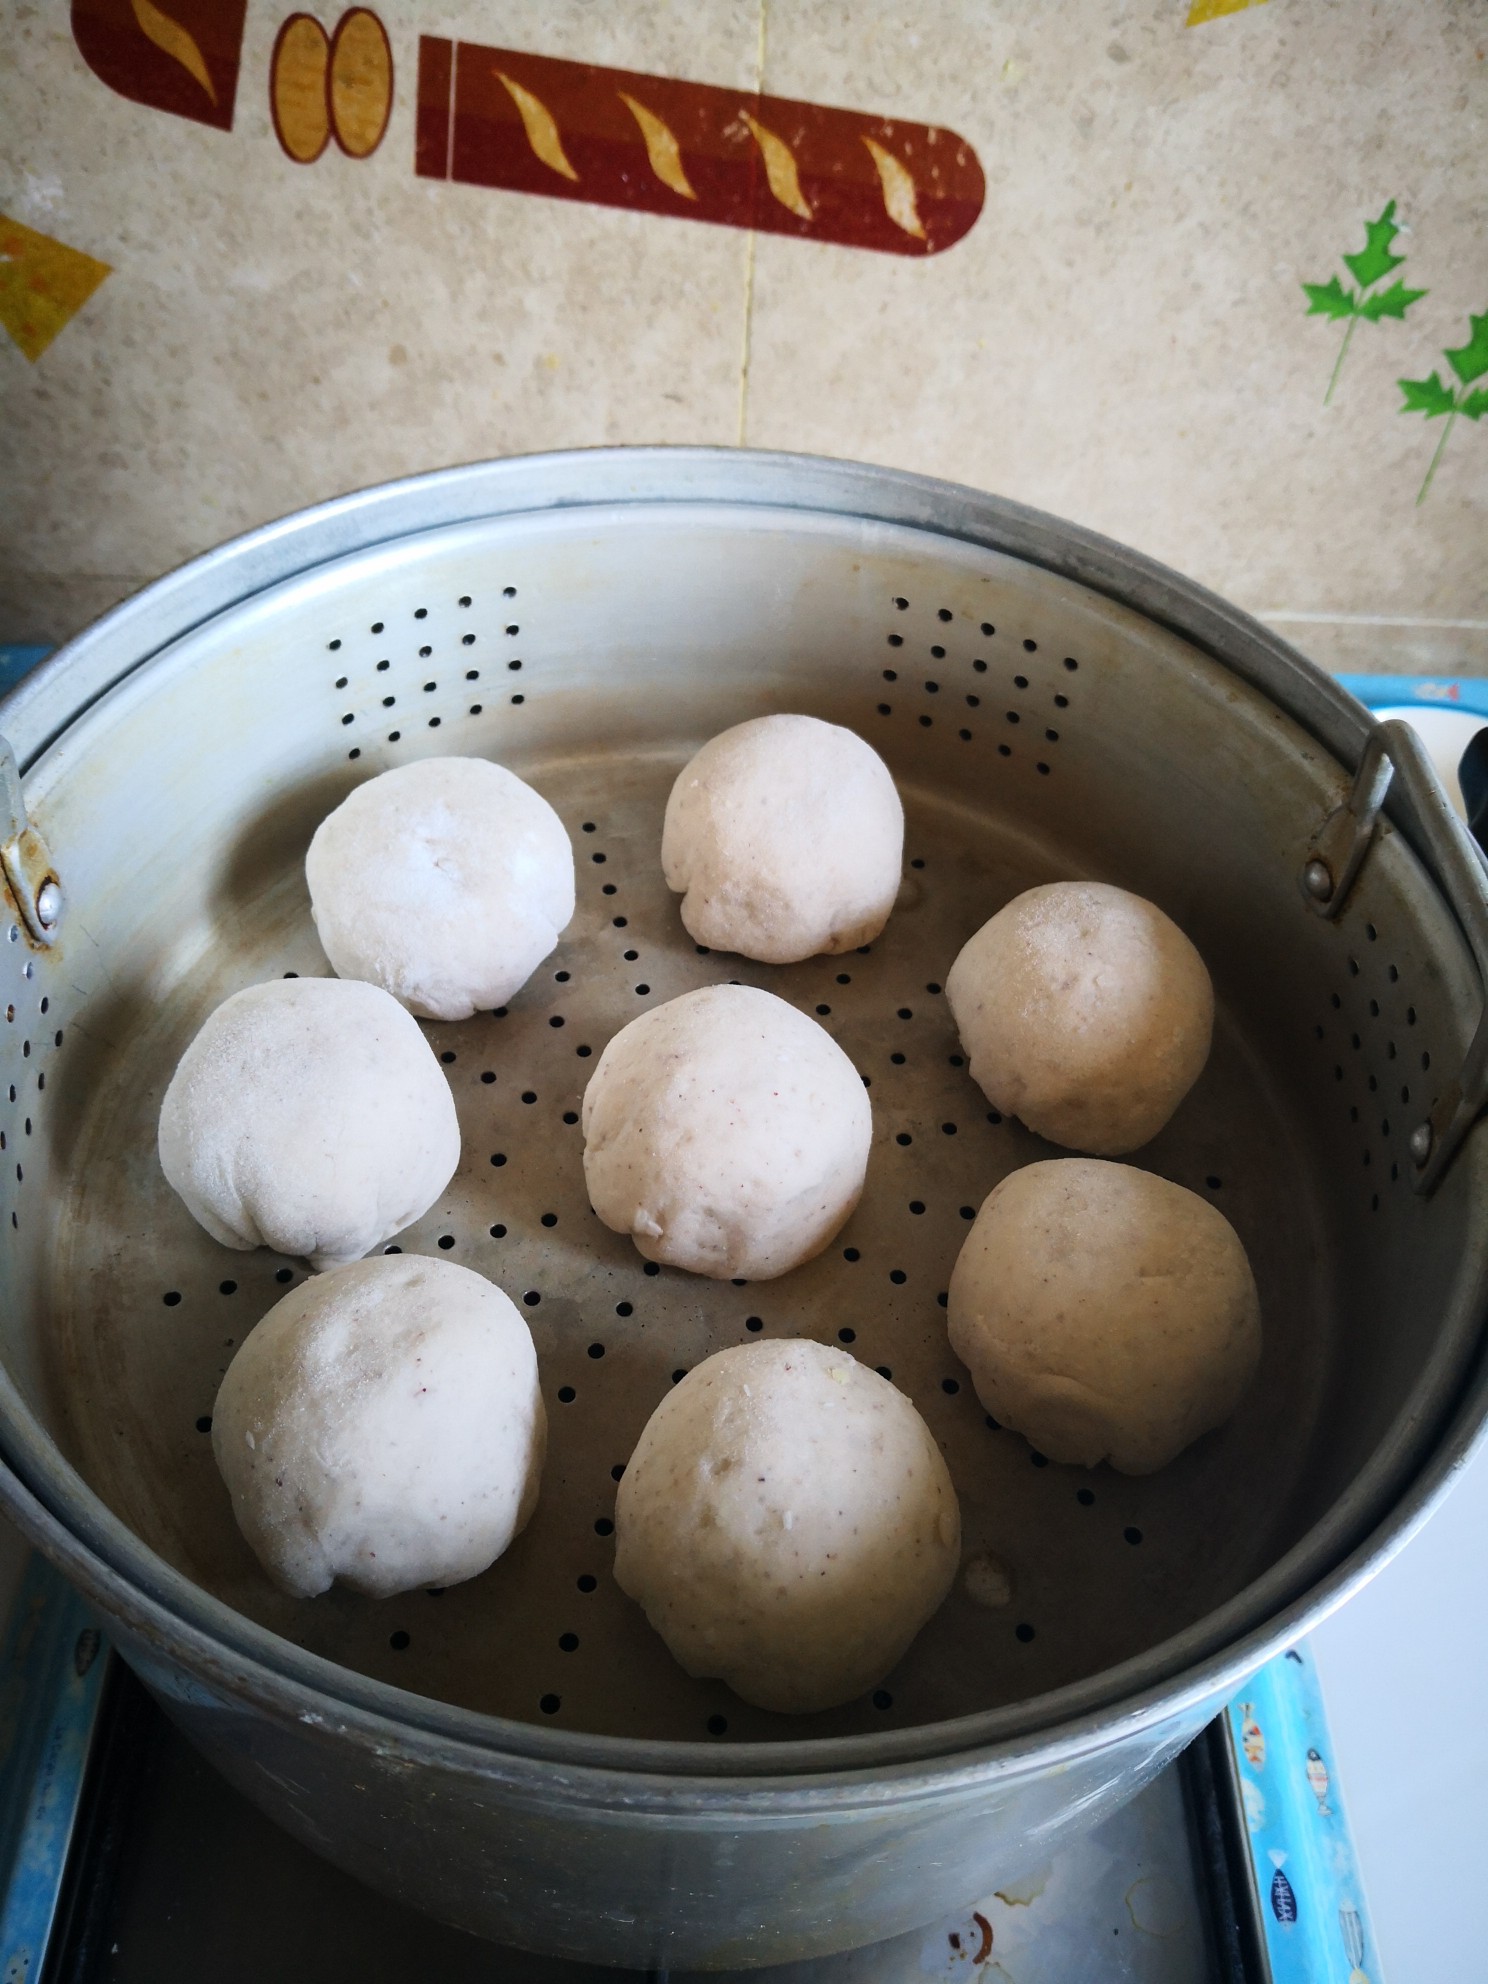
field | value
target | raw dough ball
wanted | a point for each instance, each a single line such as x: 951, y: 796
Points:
x: 726, y: 1133
x: 1086, y: 1012
x: 446, y: 882
x: 784, y: 837
x: 309, y: 1115
x: 383, y: 1425
x: 788, y: 1524
x: 1104, y: 1313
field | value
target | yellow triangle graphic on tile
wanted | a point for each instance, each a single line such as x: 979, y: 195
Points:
x: 1213, y: 10
x: 43, y: 284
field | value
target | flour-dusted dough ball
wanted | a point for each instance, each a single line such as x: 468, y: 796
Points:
x: 1084, y: 1011
x: 309, y: 1115
x: 382, y: 1425
x: 726, y: 1133
x: 446, y: 882
x: 784, y: 837
x: 1104, y: 1313
x: 787, y: 1523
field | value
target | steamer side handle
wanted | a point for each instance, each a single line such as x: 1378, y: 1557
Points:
x: 1395, y: 758
x: 24, y: 856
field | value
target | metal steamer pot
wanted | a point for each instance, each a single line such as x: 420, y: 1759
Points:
x: 519, y: 1755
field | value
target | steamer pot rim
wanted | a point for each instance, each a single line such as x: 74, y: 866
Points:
x: 55, y: 694
x: 675, y: 1780
x: 53, y: 1504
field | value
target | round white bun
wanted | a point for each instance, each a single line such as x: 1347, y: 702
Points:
x: 382, y: 1425
x: 784, y: 837
x: 309, y: 1115
x: 1104, y: 1313
x: 726, y: 1133
x: 788, y: 1524
x: 1084, y: 1011
x: 446, y: 882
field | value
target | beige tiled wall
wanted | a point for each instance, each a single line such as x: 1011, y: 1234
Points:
x: 1122, y: 338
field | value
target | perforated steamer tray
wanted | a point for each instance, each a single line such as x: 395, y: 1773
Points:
x: 1037, y: 730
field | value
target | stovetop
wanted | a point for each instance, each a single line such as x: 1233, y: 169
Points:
x: 175, y: 1876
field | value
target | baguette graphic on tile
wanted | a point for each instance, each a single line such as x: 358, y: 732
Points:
x: 177, y: 43
x: 526, y: 123
x: 180, y: 56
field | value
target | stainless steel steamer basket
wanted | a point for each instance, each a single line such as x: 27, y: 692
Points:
x: 1051, y: 705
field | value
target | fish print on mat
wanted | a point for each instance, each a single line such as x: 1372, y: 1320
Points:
x: 1283, y: 1900
x: 1305, y: 1883
x: 1252, y: 1738
x: 1352, y: 1927
x: 1317, y: 1778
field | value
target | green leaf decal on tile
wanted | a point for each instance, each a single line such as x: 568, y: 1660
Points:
x: 1375, y: 261
x: 1435, y: 397
x: 1391, y: 302
x: 1470, y: 361
x: 1370, y: 265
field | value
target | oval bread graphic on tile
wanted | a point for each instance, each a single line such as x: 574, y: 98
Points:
x: 525, y: 123
x: 297, y: 88
x: 360, y: 86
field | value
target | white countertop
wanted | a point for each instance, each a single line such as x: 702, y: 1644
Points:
x: 1406, y: 1689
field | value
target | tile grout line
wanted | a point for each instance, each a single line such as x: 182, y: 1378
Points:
x: 744, y: 343
x: 449, y: 140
